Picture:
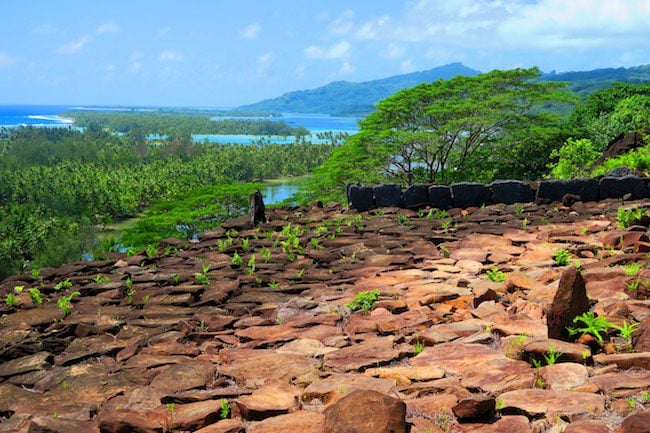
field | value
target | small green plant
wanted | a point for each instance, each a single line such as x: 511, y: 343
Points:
x: 628, y: 217
x: 273, y: 284
x: 562, y: 257
x: 524, y: 224
x: 316, y: 244
x: 403, y: 220
x: 445, y: 225
x: 552, y: 356
x: 225, y: 409
x: 495, y: 275
x: 99, y: 279
x: 19, y: 289
x: 202, y: 279
x: 222, y: 244
x: 236, y: 259
x: 251, y: 265
x: 418, y: 346
x: 364, y: 301
x: 36, y: 274
x: 500, y: 403
x: 440, y: 214
x: 176, y: 279
x: 170, y: 411
x: 63, y: 285
x: 244, y: 244
x: 584, y: 231
x: 11, y: 300
x: 152, y: 250
x: 35, y: 296
x: 645, y: 397
x: 633, y: 285
x: 420, y: 213
x: 631, y: 402
x: 631, y: 269
x: 266, y: 254
x: 519, y: 209
x: 65, y: 302
x: 626, y: 331
x: 445, y: 251
x: 168, y: 250
x: 591, y: 325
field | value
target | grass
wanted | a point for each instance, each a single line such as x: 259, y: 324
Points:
x: 591, y: 325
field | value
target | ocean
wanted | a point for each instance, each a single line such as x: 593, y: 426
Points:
x: 12, y: 116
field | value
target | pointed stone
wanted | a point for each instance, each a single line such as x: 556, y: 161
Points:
x: 570, y: 301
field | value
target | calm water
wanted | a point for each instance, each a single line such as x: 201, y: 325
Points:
x: 47, y: 116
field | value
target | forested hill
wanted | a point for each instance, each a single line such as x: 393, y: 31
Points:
x: 344, y: 98
x: 587, y: 82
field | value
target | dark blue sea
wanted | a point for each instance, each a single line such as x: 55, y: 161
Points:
x: 35, y: 115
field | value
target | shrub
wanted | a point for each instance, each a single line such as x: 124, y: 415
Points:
x: 364, y: 301
x: 575, y: 159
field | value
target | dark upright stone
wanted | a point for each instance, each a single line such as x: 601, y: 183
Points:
x: 415, y: 197
x: 554, y: 190
x: 617, y: 187
x: 511, y: 191
x: 470, y: 194
x: 570, y: 301
x: 362, y: 198
x: 388, y: 195
x: 440, y: 197
x: 256, y: 208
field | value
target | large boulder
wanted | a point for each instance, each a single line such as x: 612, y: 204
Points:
x: 511, y: 191
x: 617, y: 187
x: 440, y: 197
x: 388, y: 195
x: 415, y: 197
x: 362, y: 198
x: 570, y: 301
x: 470, y: 194
x: 555, y: 190
x: 366, y: 411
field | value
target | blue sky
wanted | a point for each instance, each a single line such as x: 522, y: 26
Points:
x: 227, y: 53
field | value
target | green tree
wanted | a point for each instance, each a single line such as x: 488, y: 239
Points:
x: 575, y: 159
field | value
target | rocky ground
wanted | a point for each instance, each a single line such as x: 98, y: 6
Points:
x: 383, y: 321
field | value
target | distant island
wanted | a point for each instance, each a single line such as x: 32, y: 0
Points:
x: 343, y: 98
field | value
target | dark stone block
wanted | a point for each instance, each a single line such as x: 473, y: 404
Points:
x: 554, y: 190
x: 347, y: 190
x: 440, y: 197
x: 470, y: 194
x: 617, y: 187
x: 362, y: 198
x: 511, y: 191
x: 388, y: 195
x: 415, y: 197
x: 570, y: 301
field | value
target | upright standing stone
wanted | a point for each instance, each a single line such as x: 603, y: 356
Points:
x: 256, y: 208
x: 415, y: 197
x: 388, y: 195
x: 440, y: 197
x: 570, y: 301
x: 366, y: 411
x: 362, y: 198
x: 511, y: 192
x: 470, y: 194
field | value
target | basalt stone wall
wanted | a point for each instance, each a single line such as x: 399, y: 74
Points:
x: 471, y: 194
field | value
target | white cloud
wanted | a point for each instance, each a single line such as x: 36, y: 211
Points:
x: 394, y: 50
x: 171, y: 56
x: 108, y: 27
x: 136, y: 61
x: 46, y: 28
x: 343, y: 24
x: 264, y: 62
x: 348, y: 68
x: 407, y: 66
x: 6, y: 60
x: 335, y: 51
x: 251, y: 31
x: 371, y: 29
x: 73, y: 46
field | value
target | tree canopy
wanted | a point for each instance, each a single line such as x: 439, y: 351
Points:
x: 463, y: 128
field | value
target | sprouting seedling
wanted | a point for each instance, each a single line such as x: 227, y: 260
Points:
x: 364, y: 301
x: 35, y: 296
x: 591, y: 325
x: 251, y: 265
x: 176, y: 279
x: 633, y: 285
x: 495, y: 275
x: 225, y: 409
x: 299, y: 274
x: 205, y: 269
x: 19, y: 289
x: 316, y: 244
x: 222, y: 244
x: 524, y: 224
x: 403, y: 219
x: 202, y: 279
x: 552, y: 355
x: 562, y: 257
x: 519, y: 209
x: 170, y: 411
x: 244, y: 244
x: 11, y: 300
x: 152, y: 250
x: 445, y: 251
x: 626, y: 331
x: 631, y: 269
x: 628, y: 217
x: 266, y: 254
x: 273, y: 284
x: 236, y: 259
x: 63, y: 285
x: 418, y: 346
x: 65, y: 302
x: 445, y: 225
x: 99, y: 279
x: 36, y: 274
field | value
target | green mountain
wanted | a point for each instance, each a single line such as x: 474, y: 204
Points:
x: 586, y: 82
x: 344, y: 98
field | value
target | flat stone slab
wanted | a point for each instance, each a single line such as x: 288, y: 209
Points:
x: 25, y: 364
x: 538, y: 402
x: 365, y: 354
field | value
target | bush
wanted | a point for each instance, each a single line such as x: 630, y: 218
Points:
x: 575, y: 159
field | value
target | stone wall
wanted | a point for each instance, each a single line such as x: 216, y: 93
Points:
x: 471, y: 194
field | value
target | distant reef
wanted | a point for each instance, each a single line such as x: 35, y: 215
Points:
x: 343, y: 98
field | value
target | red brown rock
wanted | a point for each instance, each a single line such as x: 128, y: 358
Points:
x: 366, y: 412
x: 570, y: 301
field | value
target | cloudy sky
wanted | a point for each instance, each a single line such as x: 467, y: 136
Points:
x: 226, y: 53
